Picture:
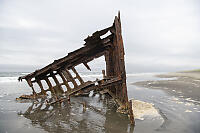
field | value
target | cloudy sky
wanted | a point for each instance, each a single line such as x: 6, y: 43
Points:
x: 159, y: 35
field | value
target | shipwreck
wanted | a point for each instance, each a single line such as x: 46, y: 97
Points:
x: 114, y: 77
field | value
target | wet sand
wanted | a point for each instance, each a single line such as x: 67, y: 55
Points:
x: 176, y: 96
x: 181, y: 84
x: 155, y: 111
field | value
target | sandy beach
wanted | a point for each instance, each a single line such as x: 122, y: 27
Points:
x: 162, y: 104
x: 182, y: 84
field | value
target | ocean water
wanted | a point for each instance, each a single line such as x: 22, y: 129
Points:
x: 100, y: 115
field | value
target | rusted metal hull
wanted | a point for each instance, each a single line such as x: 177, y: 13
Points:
x: 113, y: 83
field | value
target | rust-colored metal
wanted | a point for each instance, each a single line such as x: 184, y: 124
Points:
x: 114, y: 78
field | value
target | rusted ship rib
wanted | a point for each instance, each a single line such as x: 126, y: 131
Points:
x: 114, y: 81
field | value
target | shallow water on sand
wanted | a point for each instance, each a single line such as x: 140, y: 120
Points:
x: 36, y: 116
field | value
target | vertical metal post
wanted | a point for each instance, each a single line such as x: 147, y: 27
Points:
x: 31, y: 85
x: 65, y: 82
x: 131, y: 113
x: 50, y: 85
x: 57, y: 83
x: 77, y: 75
x: 41, y: 87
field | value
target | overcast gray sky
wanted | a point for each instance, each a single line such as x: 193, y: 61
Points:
x: 159, y: 35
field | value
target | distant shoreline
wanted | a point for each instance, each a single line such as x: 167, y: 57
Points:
x: 185, y: 84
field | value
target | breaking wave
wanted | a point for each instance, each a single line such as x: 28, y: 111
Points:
x: 8, y: 79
